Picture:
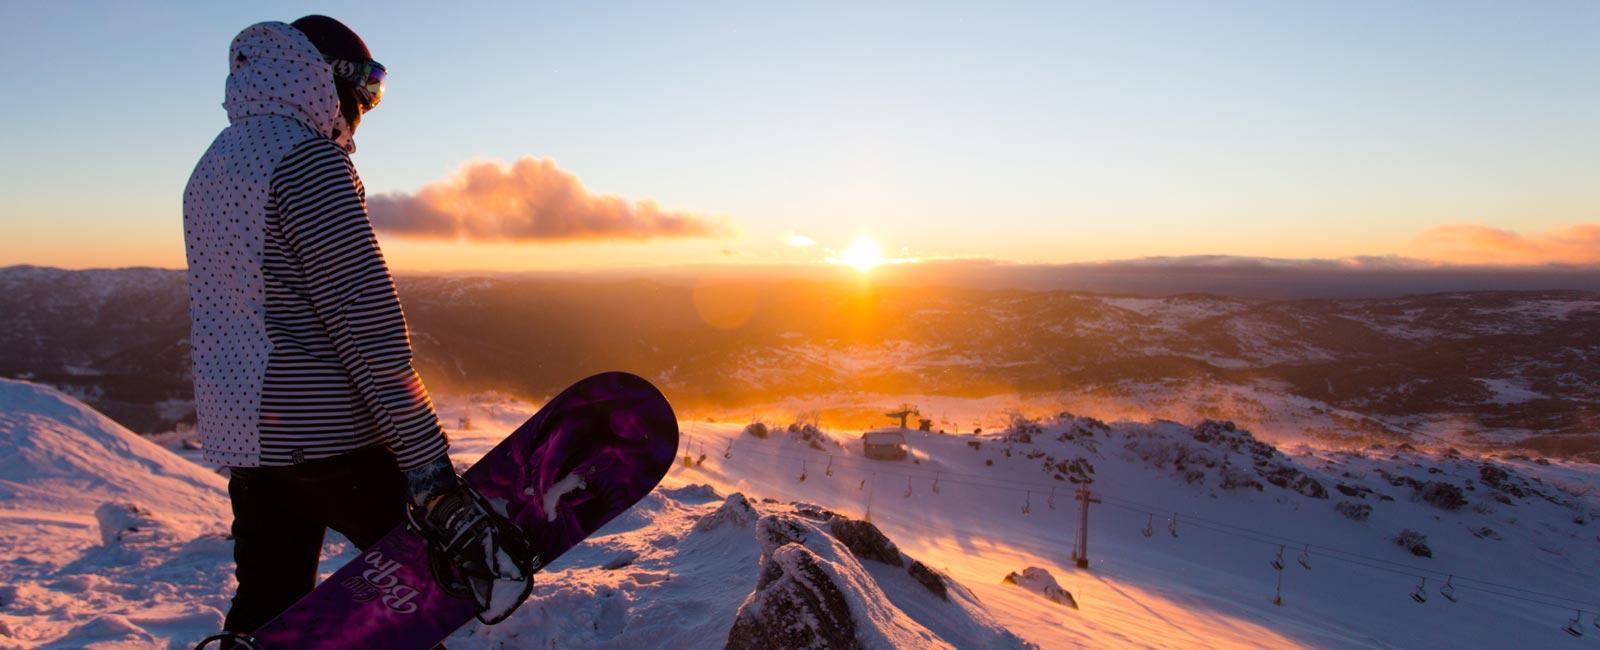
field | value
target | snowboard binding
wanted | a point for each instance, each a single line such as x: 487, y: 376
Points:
x: 475, y: 553
x: 229, y: 641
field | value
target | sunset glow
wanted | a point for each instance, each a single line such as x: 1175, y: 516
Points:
x: 863, y: 254
x: 902, y: 324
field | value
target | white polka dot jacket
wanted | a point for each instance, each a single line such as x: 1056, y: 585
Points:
x: 299, y: 345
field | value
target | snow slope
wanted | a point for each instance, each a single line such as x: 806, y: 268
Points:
x: 1205, y: 587
x: 113, y: 541
x: 735, y: 529
x: 108, y: 538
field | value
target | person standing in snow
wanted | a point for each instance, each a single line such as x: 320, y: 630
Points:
x: 303, y: 377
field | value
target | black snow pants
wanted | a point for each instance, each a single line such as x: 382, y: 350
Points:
x: 281, y: 513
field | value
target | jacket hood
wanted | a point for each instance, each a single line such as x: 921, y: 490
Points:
x: 273, y: 69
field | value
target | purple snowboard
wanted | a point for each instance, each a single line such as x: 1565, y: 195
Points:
x: 583, y: 459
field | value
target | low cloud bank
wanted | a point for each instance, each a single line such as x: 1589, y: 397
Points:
x: 528, y: 200
x: 1366, y: 277
x: 1478, y: 244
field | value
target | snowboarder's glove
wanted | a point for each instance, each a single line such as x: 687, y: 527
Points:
x: 474, y: 551
x: 430, y: 481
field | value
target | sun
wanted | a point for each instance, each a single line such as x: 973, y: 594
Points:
x: 863, y: 254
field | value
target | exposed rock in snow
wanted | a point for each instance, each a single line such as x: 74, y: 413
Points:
x: 127, y: 523
x: 796, y: 604
x: 734, y: 510
x: 756, y: 430
x: 1413, y: 541
x: 1041, y: 582
x: 931, y: 580
x: 815, y: 591
x: 1353, y: 510
x: 866, y: 541
x: 1442, y: 495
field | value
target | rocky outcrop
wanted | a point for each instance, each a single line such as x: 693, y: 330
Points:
x: 1353, y: 510
x: 1441, y: 495
x: 866, y: 542
x: 1041, y: 582
x: 1220, y: 453
x: 828, y: 581
x: 931, y: 580
x: 1413, y: 541
x: 735, y: 510
x: 796, y: 604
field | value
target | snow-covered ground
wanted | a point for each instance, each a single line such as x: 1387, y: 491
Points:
x: 112, y: 540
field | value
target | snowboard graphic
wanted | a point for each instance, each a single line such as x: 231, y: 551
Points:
x: 587, y: 456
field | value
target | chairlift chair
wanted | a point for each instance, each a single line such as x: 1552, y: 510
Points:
x: 1420, y: 592
x: 1149, y: 527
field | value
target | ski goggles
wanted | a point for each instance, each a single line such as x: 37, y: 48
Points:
x: 365, y: 76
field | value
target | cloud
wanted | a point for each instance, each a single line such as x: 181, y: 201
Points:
x: 1361, y: 277
x: 528, y: 200
x: 798, y: 240
x: 1476, y: 244
x: 1243, y: 262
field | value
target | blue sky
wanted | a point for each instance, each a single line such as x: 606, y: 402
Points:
x: 1032, y: 131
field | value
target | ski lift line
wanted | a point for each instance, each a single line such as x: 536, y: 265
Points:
x: 1019, y: 486
x: 1272, y: 539
x: 1377, y: 567
x: 939, y: 476
x: 1263, y: 537
x: 1386, y: 569
x: 867, y: 484
x: 1279, y: 539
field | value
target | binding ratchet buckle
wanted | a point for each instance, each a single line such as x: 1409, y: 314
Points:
x: 241, y: 641
x: 465, y: 581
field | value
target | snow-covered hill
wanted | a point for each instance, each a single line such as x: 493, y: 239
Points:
x: 108, y: 538
x: 766, y: 542
x: 113, y: 541
x: 1497, y: 367
x: 980, y: 508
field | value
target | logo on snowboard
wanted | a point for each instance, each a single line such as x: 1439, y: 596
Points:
x: 380, y: 581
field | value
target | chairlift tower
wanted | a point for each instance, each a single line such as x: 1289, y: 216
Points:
x: 1080, y: 552
x: 906, y: 411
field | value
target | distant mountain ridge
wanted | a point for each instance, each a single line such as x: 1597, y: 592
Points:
x: 1515, y: 363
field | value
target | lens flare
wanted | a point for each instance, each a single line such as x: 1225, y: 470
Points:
x: 863, y: 254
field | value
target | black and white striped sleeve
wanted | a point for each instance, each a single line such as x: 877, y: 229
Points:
x: 323, y: 215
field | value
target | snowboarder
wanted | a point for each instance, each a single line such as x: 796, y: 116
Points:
x: 304, y: 385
